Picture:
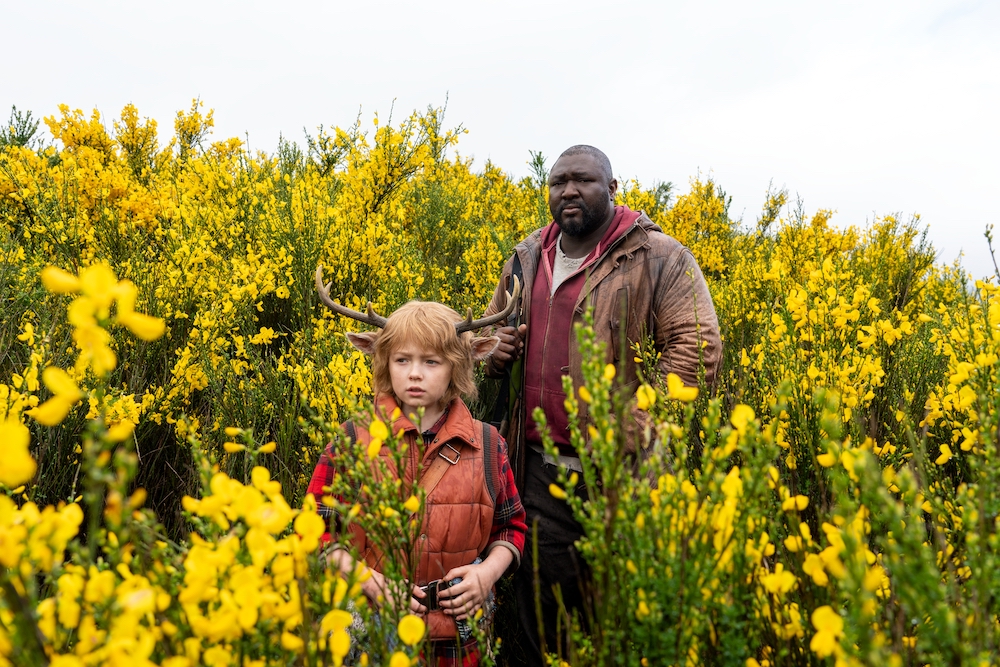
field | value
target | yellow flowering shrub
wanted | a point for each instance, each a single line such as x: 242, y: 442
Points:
x: 831, y: 499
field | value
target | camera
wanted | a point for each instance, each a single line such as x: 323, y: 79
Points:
x: 432, y: 590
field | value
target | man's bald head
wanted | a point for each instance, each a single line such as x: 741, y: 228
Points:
x: 602, y: 160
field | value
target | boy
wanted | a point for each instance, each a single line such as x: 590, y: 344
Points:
x: 473, y: 510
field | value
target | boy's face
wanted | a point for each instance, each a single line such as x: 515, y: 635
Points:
x: 420, y: 377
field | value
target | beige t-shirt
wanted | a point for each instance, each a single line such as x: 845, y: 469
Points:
x: 563, y: 267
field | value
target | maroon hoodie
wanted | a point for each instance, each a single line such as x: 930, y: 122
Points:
x: 547, y: 355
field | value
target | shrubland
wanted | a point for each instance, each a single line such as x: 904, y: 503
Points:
x: 169, y: 379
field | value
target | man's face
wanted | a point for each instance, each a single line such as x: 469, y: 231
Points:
x: 581, y: 198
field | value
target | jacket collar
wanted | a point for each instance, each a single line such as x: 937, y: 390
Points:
x: 624, y: 245
x: 459, y: 426
x: 629, y: 241
x: 624, y: 238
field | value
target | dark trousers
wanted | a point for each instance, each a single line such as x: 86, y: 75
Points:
x: 559, y: 564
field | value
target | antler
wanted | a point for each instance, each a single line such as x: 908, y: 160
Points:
x: 371, y: 317
x: 469, y: 324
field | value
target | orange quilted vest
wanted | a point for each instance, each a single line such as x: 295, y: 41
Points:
x: 458, y: 517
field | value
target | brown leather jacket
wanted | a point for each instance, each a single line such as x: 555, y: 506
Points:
x: 653, y: 278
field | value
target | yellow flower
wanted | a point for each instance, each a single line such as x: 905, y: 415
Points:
x: 795, y: 503
x: 732, y: 485
x: 374, y: 447
x: 260, y: 477
x: 58, y: 281
x: 813, y: 566
x: 145, y: 327
x: 65, y: 395
x: 645, y: 397
x: 309, y: 525
x: 557, y: 491
x: 945, y: 455
x: 829, y: 628
x: 60, y: 383
x: 399, y: 659
x: 780, y: 581
x: 677, y: 391
x: 378, y: 430
x: 233, y: 447
x: 290, y: 642
x: 411, y: 629
x: 232, y: 431
x: 609, y: 372
x: 18, y: 466
x: 827, y: 460
x: 585, y: 395
x: 265, y: 336
x: 412, y: 504
x: 340, y: 644
x: 269, y: 447
x: 121, y: 430
x: 793, y: 543
x: 742, y: 415
x: 337, y: 619
x: 99, y: 283
x: 51, y: 412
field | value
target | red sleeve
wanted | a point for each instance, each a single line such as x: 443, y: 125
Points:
x: 322, y: 477
x: 509, y: 519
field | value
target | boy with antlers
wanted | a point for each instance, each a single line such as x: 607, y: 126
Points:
x: 474, y: 524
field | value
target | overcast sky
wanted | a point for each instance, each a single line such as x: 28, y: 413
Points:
x: 867, y: 108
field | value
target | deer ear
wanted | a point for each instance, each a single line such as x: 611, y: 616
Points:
x: 484, y: 346
x: 364, y: 341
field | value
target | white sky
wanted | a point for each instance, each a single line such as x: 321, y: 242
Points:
x: 867, y: 107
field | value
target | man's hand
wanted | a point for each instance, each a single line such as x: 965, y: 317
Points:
x: 511, y: 346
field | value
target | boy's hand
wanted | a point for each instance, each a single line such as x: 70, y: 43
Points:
x: 383, y: 594
x: 464, y: 599
x: 415, y: 606
x: 511, y: 345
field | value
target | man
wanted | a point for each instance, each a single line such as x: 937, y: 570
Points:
x: 618, y: 262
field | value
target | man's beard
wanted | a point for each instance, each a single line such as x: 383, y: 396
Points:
x: 589, y: 219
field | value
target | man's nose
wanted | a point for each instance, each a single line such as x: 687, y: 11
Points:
x: 570, y: 190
